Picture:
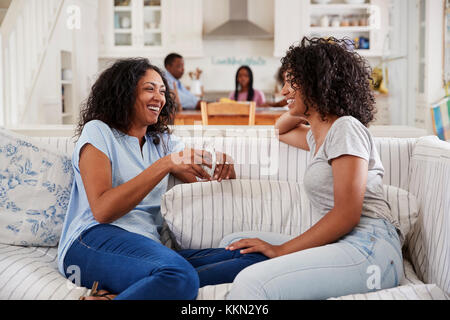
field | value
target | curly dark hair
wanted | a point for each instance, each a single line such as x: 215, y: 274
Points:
x: 332, y: 79
x: 113, y: 96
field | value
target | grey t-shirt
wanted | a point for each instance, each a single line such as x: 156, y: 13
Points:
x: 347, y: 136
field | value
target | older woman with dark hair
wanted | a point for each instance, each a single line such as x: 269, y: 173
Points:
x: 121, y: 162
x: 355, y: 246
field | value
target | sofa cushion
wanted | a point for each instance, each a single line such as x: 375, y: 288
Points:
x: 35, y: 185
x: 31, y: 273
x: 429, y: 243
x: 201, y: 214
x: 406, y: 292
x: 404, y: 211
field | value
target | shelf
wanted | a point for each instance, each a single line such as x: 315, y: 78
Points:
x: 128, y: 30
x: 341, y: 29
x: 341, y: 6
x: 152, y: 8
x: 122, y: 9
x: 155, y: 30
x: 66, y: 82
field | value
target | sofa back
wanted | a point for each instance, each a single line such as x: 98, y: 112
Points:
x: 266, y: 158
x: 429, y: 241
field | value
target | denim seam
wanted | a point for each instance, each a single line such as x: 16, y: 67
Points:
x: 209, y: 266
x: 364, y: 257
x: 112, y: 253
x: 390, y: 241
x: 206, y: 255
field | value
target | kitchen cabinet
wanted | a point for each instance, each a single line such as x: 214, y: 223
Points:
x: 151, y: 28
x: 365, y: 23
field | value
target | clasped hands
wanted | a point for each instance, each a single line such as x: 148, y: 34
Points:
x: 192, y: 161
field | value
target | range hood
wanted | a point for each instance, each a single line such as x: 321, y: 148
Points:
x: 238, y: 26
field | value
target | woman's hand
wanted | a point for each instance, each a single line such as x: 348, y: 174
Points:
x: 256, y: 245
x: 189, y: 163
x: 224, y: 167
x: 288, y: 122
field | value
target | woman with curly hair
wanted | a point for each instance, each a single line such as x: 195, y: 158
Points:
x: 354, y: 247
x: 121, y: 162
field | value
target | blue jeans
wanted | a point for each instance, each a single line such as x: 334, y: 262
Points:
x: 138, y: 268
x: 367, y: 259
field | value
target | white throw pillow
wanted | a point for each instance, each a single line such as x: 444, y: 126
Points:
x: 404, y: 209
x: 35, y: 186
x: 200, y: 214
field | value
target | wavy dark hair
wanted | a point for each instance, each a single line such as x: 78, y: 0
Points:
x: 113, y: 96
x: 332, y: 79
x: 251, y: 91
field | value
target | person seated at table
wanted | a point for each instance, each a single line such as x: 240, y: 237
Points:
x: 174, y: 64
x: 244, y: 90
x: 277, y: 92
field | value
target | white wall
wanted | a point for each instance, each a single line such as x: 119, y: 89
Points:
x: 434, y: 50
x: 83, y: 43
x: 434, y: 45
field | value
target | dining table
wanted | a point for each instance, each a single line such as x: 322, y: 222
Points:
x: 263, y: 116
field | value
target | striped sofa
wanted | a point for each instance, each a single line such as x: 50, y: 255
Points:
x: 418, y: 165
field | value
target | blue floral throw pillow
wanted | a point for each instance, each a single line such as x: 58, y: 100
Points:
x: 35, y: 186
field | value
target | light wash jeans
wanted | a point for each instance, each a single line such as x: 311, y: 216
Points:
x: 367, y: 259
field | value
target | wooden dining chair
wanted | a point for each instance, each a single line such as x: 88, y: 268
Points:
x: 228, y: 109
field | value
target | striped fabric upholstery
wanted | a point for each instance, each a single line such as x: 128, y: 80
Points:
x: 395, y: 154
x: 408, y: 292
x: 62, y: 144
x: 266, y: 158
x: 429, y: 244
x: 30, y: 273
x: 201, y: 214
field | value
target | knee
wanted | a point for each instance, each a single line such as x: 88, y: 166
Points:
x: 183, y: 281
x: 248, y: 285
x: 229, y: 239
